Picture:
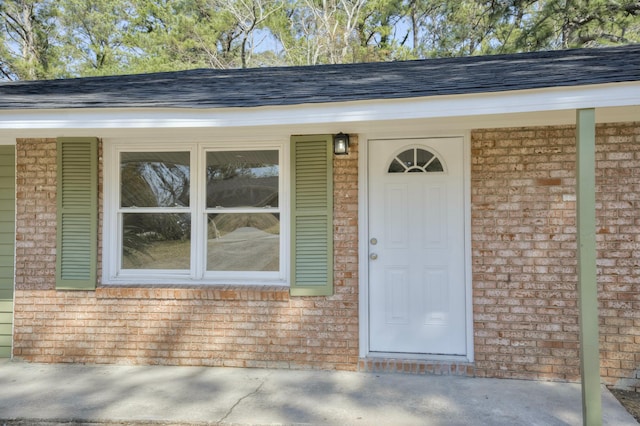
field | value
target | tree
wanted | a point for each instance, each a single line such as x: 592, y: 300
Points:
x: 95, y: 34
x: 378, y: 23
x: 561, y: 24
x: 28, y: 40
x: 50, y: 39
x: 466, y: 27
x: 320, y: 31
x: 249, y: 15
x: 188, y: 34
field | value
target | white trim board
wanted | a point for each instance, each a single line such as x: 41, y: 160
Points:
x: 345, y: 114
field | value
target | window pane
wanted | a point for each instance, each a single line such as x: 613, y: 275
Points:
x: 407, y: 158
x: 396, y: 167
x: 243, y: 242
x: 435, y: 166
x: 242, y: 179
x: 423, y: 157
x: 156, y: 241
x: 415, y: 160
x: 154, y: 179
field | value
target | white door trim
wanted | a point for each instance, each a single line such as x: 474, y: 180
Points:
x: 363, y: 243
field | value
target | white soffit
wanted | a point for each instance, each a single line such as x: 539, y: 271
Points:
x: 476, y: 109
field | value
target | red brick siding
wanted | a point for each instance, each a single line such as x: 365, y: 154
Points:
x: 213, y: 325
x: 523, y: 261
x: 35, y: 215
x: 524, y: 252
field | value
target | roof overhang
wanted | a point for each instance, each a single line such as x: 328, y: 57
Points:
x: 551, y: 106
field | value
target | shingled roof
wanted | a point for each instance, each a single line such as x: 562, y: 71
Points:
x: 254, y: 87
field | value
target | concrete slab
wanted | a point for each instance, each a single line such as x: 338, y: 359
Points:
x: 199, y: 395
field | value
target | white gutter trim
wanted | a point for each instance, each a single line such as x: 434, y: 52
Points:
x: 523, y: 101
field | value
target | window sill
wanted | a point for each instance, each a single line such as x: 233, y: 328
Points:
x: 210, y: 292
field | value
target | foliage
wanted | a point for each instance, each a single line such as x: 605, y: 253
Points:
x: 28, y: 40
x: 41, y: 39
x: 94, y: 35
x: 576, y: 23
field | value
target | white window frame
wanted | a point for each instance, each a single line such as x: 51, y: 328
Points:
x: 112, y: 272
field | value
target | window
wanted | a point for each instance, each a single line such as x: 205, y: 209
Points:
x: 199, y: 213
x: 155, y: 212
x: 242, y: 206
x: 415, y: 160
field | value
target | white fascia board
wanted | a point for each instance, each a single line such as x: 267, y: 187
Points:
x: 513, y: 102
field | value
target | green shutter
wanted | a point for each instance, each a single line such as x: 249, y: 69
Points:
x: 77, y: 196
x: 7, y: 244
x: 312, y: 215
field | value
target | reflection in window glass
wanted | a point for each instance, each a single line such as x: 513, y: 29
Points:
x: 243, y: 242
x: 242, y: 179
x: 154, y: 179
x: 234, y: 216
x: 156, y: 241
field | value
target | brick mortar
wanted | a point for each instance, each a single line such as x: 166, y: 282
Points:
x: 523, y: 268
x: 413, y: 366
x: 524, y: 252
x: 229, y: 325
x: 208, y: 292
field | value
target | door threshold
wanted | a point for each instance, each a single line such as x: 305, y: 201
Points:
x: 405, y: 364
x: 418, y: 356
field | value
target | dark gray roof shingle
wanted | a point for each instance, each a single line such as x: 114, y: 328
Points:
x: 208, y: 88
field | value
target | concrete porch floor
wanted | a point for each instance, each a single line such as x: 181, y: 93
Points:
x: 116, y: 394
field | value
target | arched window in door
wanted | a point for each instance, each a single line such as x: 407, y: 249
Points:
x: 415, y: 160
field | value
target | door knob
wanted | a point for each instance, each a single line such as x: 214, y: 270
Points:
x: 373, y: 256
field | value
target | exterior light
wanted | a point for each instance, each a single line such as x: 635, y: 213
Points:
x: 341, y: 144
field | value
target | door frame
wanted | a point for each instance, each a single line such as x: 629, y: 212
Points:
x: 363, y: 240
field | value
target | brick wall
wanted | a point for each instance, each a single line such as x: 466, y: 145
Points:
x: 214, y: 325
x: 524, y: 275
x: 524, y: 253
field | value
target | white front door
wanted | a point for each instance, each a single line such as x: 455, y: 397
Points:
x: 416, y: 246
